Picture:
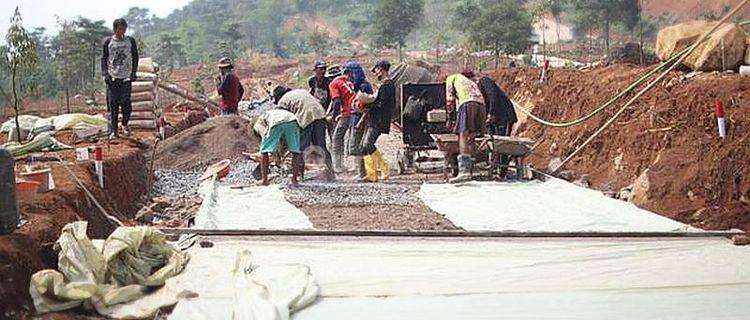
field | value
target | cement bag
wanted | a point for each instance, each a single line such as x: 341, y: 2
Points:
x: 146, y: 65
x: 143, y: 106
x: 74, y: 121
x: 43, y: 141
x: 26, y: 122
x: 81, y: 271
x: 141, y: 255
x: 709, y: 55
x: 142, y: 96
x: 141, y: 86
x: 146, y: 76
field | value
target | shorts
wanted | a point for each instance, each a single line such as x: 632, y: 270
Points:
x: 471, y: 118
x: 288, y: 131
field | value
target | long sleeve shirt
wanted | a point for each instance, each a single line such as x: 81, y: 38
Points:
x: 120, y: 58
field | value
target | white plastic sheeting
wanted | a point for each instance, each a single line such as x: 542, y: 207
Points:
x: 250, y: 208
x: 369, y: 278
x: 536, y: 206
x: 247, y: 291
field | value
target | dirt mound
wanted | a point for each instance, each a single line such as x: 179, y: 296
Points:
x: 216, y: 139
x: 693, y: 175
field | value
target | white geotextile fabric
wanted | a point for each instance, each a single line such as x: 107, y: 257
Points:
x: 243, y: 290
x: 536, y: 206
x: 508, y: 278
x: 250, y: 208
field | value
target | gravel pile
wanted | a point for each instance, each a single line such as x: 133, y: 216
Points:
x: 175, y: 183
x: 356, y: 194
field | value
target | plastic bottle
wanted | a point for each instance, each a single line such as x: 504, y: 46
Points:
x: 9, y: 218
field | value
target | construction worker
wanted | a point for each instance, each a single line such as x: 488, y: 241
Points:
x: 319, y: 83
x: 360, y: 83
x: 119, y: 66
x: 501, y: 116
x: 378, y: 119
x: 274, y: 126
x: 464, y: 97
x: 311, y: 118
x: 340, y: 111
x: 229, y: 87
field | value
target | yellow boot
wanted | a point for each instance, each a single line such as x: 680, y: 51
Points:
x: 382, y: 165
x: 370, y: 168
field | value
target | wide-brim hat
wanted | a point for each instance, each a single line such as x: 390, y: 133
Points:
x: 225, y: 63
x: 334, y: 71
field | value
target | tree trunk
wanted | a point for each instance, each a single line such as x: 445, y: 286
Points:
x: 15, y: 101
x: 557, y: 29
x: 67, y: 99
x: 606, y: 36
x: 400, y: 53
x: 437, y: 50
x: 497, y: 54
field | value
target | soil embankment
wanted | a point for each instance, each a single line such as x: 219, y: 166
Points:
x: 30, y: 248
x: 667, y: 141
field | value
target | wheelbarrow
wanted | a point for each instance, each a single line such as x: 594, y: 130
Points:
x: 488, y: 148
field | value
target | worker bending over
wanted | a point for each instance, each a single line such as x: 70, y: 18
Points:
x: 311, y: 118
x: 464, y: 94
x: 274, y: 126
x: 501, y: 116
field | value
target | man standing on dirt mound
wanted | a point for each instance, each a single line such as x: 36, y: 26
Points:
x: 464, y: 94
x: 119, y: 66
x: 229, y: 87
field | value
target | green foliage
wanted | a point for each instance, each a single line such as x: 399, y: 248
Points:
x: 394, y: 20
x: 19, y: 58
x: 170, y: 52
x: 502, y: 26
x: 601, y: 15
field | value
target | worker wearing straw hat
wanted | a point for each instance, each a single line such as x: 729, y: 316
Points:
x: 229, y: 87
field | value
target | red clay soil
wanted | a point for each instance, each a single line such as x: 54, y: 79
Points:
x: 218, y: 138
x: 694, y: 176
x: 692, y: 9
x: 29, y: 249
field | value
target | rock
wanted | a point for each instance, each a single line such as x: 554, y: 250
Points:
x: 618, y: 162
x: 640, y: 190
x: 566, y: 175
x: 741, y: 240
x: 708, y: 56
x: 626, y: 194
x: 583, y: 181
x: 698, y: 215
x: 145, y: 215
x: 691, y: 195
x: 553, y: 164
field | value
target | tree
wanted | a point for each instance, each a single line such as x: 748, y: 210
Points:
x: 319, y: 42
x: 139, y: 20
x: 170, y: 52
x: 19, y: 58
x: 394, y: 20
x: 602, y: 14
x: 71, y: 59
x: 503, y: 26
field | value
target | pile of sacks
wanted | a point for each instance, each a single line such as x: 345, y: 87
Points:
x: 118, y: 279
x: 144, y: 96
x: 726, y: 49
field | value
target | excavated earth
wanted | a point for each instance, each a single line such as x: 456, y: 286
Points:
x: 666, y: 143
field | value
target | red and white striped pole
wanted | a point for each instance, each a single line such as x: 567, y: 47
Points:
x: 545, y: 68
x: 98, y: 165
x: 721, y: 119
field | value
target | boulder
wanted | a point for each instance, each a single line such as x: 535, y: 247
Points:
x: 708, y: 56
x: 639, y: 193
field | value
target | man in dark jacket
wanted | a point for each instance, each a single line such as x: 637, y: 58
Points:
x: 119, y: 65
x: 378, y: 119
x: 229, y: 87
x: 319, y: 84
x: 501, y: 116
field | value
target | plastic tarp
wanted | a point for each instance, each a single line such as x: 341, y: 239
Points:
x: 43, y: 141
x: 115, y: 279
x: 379, y: 278
x: 61, y: 122
x: 535, y: 206
x: 247, y: 291
x: 250, y: 208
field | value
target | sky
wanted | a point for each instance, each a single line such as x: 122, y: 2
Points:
x: 41, y: 13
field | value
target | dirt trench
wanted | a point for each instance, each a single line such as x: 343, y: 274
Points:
x: 30, y: 248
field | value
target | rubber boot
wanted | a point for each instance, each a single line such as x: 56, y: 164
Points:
x: 464, y: 170
x: 382, y: 165
x: 370, y: 168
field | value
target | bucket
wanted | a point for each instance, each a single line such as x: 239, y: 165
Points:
x: 26, y: 190
x: 745, y: 71
x: 40, y: 176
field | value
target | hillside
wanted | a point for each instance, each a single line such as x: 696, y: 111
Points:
x: 692, y: 9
